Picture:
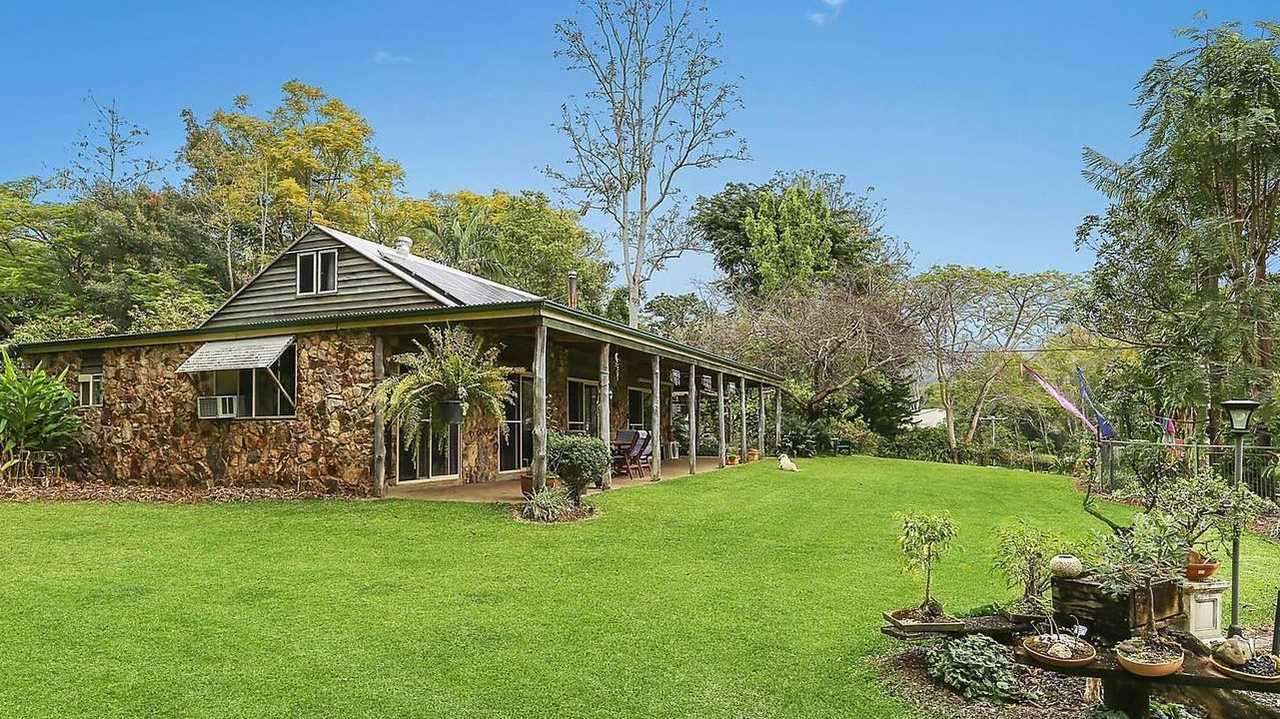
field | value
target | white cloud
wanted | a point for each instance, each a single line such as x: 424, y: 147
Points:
x: 387, y: 57
x: 821, y: 18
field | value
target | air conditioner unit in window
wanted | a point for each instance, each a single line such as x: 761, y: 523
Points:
x: 221, y: 406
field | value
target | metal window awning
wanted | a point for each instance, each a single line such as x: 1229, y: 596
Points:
x: 256, y: 353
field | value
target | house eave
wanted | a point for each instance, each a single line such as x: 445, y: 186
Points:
x: 553, y: 314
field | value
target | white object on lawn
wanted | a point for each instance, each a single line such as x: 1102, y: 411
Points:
x: 786, y: 465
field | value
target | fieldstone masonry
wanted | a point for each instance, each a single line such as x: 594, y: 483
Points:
x: 147, y: 430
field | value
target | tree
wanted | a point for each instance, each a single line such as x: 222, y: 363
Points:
x: 653, y: 109
x: 823, y: 339
x: 967, y: 314
x: 467, y: 243
x: 672, y: 314
x: 804, y: 226
x: 1183, y: 250
x: 923, y: 539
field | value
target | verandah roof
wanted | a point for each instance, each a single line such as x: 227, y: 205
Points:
x: 255, y: 353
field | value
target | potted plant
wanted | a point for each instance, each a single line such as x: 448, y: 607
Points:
x: 455, y: 379
x: 1237, y: 659
x: 1134, y: 561
x: 923, y: 540
x: 1052, y: 646
x: 578, y: 461
x: 732, y: 458
x: 1205, y: 509
x: 1022, y: 555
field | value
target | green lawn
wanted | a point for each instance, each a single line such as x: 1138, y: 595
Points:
x: 743, y: 593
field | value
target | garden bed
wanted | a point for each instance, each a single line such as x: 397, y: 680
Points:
x: 103, y: 492
x: 1049, y: 695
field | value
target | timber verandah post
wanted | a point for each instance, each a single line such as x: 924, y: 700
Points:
x: 605, y: 395
x: 655, y: 440
x: 760, y: 418
x: 539, y: 462
x: 724, y: 445
x: 742, y: 408
x: 777, y: 420
x: 693, y: 419
x: 379, y: 425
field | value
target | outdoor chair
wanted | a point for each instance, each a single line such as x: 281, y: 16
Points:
x: 642, y: 455
x: 621, y: 448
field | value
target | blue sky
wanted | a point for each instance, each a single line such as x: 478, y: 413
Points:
x: 967, y: 118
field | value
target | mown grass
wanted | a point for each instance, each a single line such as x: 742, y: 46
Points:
x: 743, y: 593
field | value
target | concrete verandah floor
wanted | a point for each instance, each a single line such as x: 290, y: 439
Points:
x: 508, y: 490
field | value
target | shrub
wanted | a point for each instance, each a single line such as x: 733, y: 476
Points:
x: 925, y: 443
x: 549, y: 505
x: 1022, y: 556
x: 578, y: 461
x: 37, y: 412
x: 1158, y: 709
x: 923, y: 539
x: 977, y: 666
x: 800, y: 441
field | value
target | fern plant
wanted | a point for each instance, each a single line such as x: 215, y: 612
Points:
x: 454, y: 365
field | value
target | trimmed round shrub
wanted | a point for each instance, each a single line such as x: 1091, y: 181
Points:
x: 578, y: 461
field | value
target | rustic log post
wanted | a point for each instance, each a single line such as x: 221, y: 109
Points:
x: 693, y: 419
x: 724, y: 445
x: 777, y: 420
x: 605, y: 395
x: 1124, y: 695
x: 379, y: 425
x: 656, y: 429
x: 760, y: 418
x: 742, y: 411
x: 539, y: 463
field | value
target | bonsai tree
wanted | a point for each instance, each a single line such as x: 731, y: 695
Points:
x: 1022, y: 556
x: 578, y: 461
x: 1206, y: 509
x: 923, y: 540
x: 456, y: 365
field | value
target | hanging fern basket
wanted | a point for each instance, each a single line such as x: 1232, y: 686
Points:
x: 451, y: 411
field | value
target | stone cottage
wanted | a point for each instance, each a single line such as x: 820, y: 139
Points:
x: 275, y: 387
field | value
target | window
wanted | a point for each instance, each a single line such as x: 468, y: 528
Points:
x: 511, y: 447
x: 262, y: 393
x: 317, y: 272
x: 639, y: 408
x: 90, y: 394
x: 584, y: 407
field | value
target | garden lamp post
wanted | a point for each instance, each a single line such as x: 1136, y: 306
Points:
x: 1240, y: 412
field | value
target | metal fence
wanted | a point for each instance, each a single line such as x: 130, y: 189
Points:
x: 1117, y: 459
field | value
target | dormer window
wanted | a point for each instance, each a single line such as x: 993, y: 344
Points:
x: 317, y: 272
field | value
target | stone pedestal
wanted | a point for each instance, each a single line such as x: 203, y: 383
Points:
x: 1203, y: 603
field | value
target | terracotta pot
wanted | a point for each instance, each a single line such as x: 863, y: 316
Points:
x: 731, y: 459
x: 526, y: 483
x: 1200, y: 571
x: 1143, y: 669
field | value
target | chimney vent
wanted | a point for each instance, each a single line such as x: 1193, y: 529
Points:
x: 403, y: 245
x: 573, y: 290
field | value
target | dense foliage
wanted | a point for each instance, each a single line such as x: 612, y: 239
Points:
x: 977, y: 666
x: 577, y: 460
x: 455, y: 365
x: 548, y: 505
x: 37, y: 412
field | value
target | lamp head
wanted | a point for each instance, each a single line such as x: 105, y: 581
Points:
x: 1240, y: 413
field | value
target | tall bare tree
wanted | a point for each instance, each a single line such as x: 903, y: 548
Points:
x: 654, y: 106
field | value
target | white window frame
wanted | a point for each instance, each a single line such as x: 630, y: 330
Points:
x: 646, y: 394
x: 89, y: 380
x: 316, y: 261
x: 253, y: 392
x: 568, y: 424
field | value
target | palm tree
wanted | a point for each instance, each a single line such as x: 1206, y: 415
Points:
x: 468, y: 243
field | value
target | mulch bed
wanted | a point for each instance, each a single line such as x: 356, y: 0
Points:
x: 586, y: 511
x: 1049, y: 695
x: 102, y: 492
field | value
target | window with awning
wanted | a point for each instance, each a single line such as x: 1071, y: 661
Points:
x: 250, y: 378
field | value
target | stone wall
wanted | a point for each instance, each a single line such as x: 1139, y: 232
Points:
x: 147, y: 430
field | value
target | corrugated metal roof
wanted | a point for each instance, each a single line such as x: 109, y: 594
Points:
x: 447, y: 284
x: 253, y: 353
